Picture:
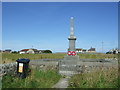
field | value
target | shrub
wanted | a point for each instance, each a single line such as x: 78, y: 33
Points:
x: 47, y: 51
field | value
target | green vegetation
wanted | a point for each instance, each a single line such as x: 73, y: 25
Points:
x: 47, y: 51
x: 15, y: 52
x: 10, y: 57
x: 37, y: 79
x: 99, y: 79
x: 46, y: 79
x: 98, y: 56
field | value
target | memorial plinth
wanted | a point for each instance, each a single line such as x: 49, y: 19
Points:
x: 68, y: 66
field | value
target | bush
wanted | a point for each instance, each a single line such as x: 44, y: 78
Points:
x: 47, y: 51
x: 15, y: 52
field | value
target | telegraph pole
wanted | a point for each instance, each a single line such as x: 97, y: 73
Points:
x: 102, y: 46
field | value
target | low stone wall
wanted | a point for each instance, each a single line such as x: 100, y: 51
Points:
x: 43, y: 65
x: 67, y: 67
x: 84, y: 65
x: 10, y: 68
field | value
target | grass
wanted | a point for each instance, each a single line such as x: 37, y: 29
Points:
x: 46, y: 79
x: 97, y: 56
x: 9, y: 57
x: 97, y: 79
x: 37, y: 79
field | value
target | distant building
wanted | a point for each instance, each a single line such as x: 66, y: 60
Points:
x: 23, y: 51
x: 7, y: 51
x: 33, y: 51
x: 29, y: 51
x: 113, y: 51
x: 41, y: 51
x: 84, y: 50
x: 79, y: 50
x: 92, y: 50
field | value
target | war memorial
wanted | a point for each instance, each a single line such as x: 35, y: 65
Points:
x: 70, y: 65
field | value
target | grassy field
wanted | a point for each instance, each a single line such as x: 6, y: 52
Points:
x: 37, y: 79
x: 46, y: 79
x: 96, y: 79
x: 97, y: 56
x: 7, y: 58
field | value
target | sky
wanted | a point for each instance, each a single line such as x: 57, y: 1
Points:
x: 46, y: 25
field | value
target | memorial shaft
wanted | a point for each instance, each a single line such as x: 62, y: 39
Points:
x: 71, y: 38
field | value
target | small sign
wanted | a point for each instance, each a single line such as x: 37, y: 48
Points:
x: 20, y: 67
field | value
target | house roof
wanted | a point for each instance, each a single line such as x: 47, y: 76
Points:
x: 24, y: 49
x: 29, y: 49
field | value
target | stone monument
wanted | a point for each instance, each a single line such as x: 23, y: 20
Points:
x: 68, y: 66
x: 71, y: 38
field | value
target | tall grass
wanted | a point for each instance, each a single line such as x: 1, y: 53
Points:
x: 37, y: 79
x: 97, y: 79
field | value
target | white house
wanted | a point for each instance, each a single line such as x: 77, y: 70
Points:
x: 23, y: 51
x: 79, y: 50
x: 29, y: 51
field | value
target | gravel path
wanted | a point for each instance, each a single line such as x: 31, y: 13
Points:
x: 62, y: 83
